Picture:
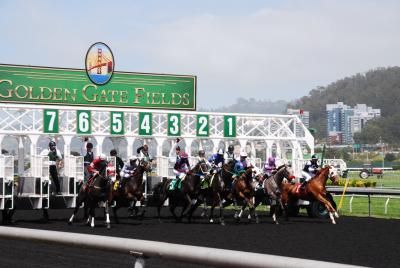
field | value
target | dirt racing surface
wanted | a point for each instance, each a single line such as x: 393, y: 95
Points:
x: 359, y: 241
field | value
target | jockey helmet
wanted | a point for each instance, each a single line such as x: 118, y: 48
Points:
x: 52, y: 144
x: 102, y: 156
x: 221, y: 151
x: 243, y: 154
x: 201, y: 153
x: 271, y: 160
x: 314, y: 157
x: 184, y: 155
x: 230, y: 148
x: 113, y: 152
x: 89, y: 145
x: 145, y: 147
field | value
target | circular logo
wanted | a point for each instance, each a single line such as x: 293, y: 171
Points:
x: 99, y: 63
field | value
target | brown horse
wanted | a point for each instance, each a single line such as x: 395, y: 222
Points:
x: 314, y: 190
x: 132, y: 190
x: 186, y: 196
x: 244, y: 191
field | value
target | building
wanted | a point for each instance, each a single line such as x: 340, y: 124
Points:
x: 303, y: 115
x: 343, y: 121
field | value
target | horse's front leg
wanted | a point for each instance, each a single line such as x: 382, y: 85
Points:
x: 329, y: 207
x: 106, y: 210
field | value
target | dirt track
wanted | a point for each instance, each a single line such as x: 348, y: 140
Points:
x: 359, y: 241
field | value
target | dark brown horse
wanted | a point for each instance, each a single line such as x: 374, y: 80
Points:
x: 132, y: 190
x: 219, y: 191
x: 314, y: 190
x: 186, y: 196
x: 97, y: 189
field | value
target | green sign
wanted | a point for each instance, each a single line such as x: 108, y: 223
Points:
x: 202, y: 127
x: 229, y: 126
x: 117, y: 123
x: 83, y: 122
x: 42, y: 85
x: 50, y: 119
x: 145, y: 124
x: 174, y: 124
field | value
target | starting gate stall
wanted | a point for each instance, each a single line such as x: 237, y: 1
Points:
x: 34, y: 189
x: 71, y: 179
x: 6, y: 182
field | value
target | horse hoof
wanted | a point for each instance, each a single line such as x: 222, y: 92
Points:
x: 211, y: 221
x: 69, y: 223
x: 108, y: 226
x: 257, y: 220
x: 222, y: 223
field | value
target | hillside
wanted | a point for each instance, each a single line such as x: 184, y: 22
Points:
x: 379, y: 88
x: 252, y: 106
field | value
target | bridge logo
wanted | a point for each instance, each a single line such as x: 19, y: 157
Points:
x: 99, y: 63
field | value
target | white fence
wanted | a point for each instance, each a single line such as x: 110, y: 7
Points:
x: 145, y: 249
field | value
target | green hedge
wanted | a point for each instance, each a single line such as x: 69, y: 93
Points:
x: 355, y: 183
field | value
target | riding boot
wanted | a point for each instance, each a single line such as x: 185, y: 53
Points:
x: 178, y: 184
x: 303, y: 185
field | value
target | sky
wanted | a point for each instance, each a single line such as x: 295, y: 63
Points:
x: 269, y: 50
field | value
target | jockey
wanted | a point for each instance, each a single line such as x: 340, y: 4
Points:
x: 88, y: 158
x: 240, y: 165
x: 98, y: 166
x: 202, y: 159
x: 217, y: 159
x: 54, y: 157
x: 229, y: 155
x: 309, y: 170
x: 181, y: 168
x: 269, y: 166
x: 128, y: 170
x: 118, y: 163
x: 143, y: 151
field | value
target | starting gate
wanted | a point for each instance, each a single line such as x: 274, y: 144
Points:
x: 6, y: 182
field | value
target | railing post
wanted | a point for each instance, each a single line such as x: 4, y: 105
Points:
x: 139, y: 259
x: 369, y: 205
x: 386, y: 204
x: 351, y: 204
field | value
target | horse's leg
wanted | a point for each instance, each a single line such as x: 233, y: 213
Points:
x: 106, y: 209
x: 250, y: 203
x: 92, y: 215
x: 187, y: 205
x: 143, y: 203
x: 79, y: 200
x: 256, y: 203
x: 161, y: 202
x: 329, y: 207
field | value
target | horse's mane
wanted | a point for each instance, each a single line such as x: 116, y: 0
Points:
x: 321, y: 170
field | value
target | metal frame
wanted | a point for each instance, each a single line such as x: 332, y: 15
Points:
x: 145, y: 249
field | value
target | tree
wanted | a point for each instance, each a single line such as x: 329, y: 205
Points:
x: 389, y: 157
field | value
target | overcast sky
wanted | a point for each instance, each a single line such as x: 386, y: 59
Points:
x: 263, y: 49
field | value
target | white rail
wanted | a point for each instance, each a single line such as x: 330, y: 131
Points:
x: 184, y: 253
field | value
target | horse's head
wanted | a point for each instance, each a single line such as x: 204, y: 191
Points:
x: 333, y: 175
x: 146, y: 165
x: 286, y: 172
x: 201, y: 167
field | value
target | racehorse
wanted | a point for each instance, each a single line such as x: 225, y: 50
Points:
x: 314, y: 190
x: 220, y: 190
x: 132, y: 190
x: 273, y: 188
x: 243, y: 190
x: 96, y: 189
x: 188, y: 194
